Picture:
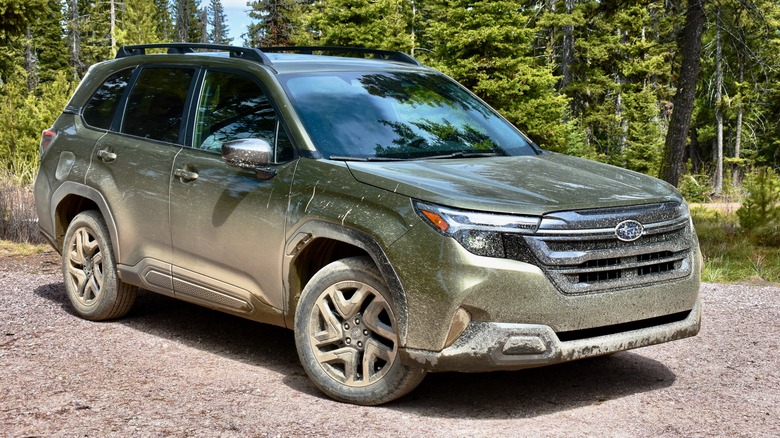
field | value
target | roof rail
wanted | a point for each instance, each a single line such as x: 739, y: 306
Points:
x: 180, y: 48
x: 388, y: 55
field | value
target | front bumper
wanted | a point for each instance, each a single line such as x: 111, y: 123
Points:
x: 491, y: 346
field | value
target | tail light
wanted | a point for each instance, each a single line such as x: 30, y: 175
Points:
x: 47, y: 137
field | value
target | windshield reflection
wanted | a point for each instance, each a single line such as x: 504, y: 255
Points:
x: 398, y: 115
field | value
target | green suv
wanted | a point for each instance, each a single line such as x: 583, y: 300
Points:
x: 374, y: 206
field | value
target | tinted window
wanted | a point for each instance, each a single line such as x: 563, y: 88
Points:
x: 398, y: 115
x: 156, y: 103
x: 99, y: 111
x: 232, y: 107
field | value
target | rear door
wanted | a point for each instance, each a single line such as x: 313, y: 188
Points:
x: 228, y: 225
x: 131, y: 166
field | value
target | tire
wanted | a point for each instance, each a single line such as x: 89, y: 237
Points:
x: 89, y: 268
x: 347, y: 335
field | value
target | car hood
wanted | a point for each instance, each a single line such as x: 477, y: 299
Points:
x: 522, y: 185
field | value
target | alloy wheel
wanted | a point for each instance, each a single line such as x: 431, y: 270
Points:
x: 352, y: 333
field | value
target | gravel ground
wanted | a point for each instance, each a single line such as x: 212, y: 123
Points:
x: 174, y: 369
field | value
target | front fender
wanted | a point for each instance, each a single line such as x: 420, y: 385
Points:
x: 313, y: 230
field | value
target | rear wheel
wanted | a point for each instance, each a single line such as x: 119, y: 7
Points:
x: 346, y: 333
x: 89, y: 268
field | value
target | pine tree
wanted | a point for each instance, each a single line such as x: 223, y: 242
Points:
x: 164, y: 20
x: 380, y: 24
x: 17, y: 15
x: 97, y: 34
x: 275, y: 23
x: 615, y: 68
x: 760, y: 207
x: 15, y: 18
x: 138, y: 24
x: 491, y: 52
x: 218, y: 23
x: 738, y: 82
x: 47, y: 40
x: 189, y: 23
x: 22, y: 116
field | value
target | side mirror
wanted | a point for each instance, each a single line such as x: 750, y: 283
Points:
x: 249, y: 153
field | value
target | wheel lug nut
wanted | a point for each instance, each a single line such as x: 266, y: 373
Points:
x: 357, y: 321
x: 360, y: 344
x: 346, y: 326
x: 365, y: 332
x: 348, y: 341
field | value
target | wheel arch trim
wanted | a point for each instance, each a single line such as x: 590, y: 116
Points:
x: 69, y: 188
x: 326, y: 230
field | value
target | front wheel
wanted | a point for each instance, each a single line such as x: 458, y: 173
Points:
x: 347, y: 335
x: 89, y: 268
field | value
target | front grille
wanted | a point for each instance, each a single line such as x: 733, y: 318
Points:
x: 585, y: 260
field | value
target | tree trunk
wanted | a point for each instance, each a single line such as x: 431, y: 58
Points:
x: 30, y: 61
x: 567, y: 52
x: 182, y: 21
x: 112, y: 26
x: 672, y: 163
x: 622, y: 119
x: 736, y: 170
x: 74, y: 39
x: 718, y: 104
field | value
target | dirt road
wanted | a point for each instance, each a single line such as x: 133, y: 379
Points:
x: 173, y: 369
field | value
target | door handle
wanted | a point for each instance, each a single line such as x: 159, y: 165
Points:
x: 106, y: 155
x: 185, y: 175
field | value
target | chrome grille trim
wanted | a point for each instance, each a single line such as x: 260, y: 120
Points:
x: 649, y: 228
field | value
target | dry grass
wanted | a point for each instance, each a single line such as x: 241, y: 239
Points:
x: 8, y: 248
x: 18, y: 219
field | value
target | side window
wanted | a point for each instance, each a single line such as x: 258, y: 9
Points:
x: 231, y: 107
x: 99, y: 111
x: 156, y: 103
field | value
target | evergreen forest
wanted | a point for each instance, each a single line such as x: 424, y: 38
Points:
x: 685, y: 90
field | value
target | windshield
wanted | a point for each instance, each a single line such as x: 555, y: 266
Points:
x: 398, y: 115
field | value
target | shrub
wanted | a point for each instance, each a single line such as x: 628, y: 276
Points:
x: 18, y: 218
x: 759, y: 208
x: 23, y: 115
x: 696, y: 188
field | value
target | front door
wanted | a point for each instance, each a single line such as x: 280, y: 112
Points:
x: 227, y: 225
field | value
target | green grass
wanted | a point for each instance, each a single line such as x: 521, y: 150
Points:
x: 733, y: 254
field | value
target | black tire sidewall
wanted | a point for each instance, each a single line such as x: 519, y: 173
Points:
x: 104, y: 306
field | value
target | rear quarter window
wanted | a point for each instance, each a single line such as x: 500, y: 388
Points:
x: 100, y: 109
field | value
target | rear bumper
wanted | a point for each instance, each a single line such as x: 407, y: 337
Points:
x: 490, y: 346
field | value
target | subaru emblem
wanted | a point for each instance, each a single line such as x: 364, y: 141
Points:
x: 629, y: 230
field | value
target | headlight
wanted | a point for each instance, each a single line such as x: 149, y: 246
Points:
x: 478, y: 232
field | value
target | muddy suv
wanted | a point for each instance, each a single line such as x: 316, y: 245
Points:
x: 384, y: 213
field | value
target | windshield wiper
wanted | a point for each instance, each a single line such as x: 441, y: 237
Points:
x: 462, y: 154
x: 348, y: 158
